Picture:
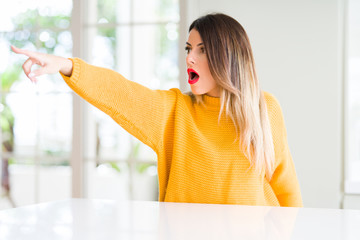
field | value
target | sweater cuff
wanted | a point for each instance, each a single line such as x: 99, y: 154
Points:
x: 75, y: 75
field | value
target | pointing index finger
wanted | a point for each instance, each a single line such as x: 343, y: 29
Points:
x: 22, y: 51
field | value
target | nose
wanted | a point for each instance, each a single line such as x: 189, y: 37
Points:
x: 190, y: 60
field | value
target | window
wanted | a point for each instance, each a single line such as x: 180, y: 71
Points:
x: 137, y: 38
x: 36, y: 120
x: 352, y: 176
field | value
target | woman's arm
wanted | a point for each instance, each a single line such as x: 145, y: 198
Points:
x: 143, y: 112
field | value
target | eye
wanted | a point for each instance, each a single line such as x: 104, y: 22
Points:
x: 202, y: 50
x: 187, y: 49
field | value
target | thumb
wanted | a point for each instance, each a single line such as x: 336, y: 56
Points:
x: 38, y: 72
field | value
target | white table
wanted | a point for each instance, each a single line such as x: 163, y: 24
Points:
x: 104, y: 219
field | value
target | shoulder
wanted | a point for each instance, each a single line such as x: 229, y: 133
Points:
x: 173, y: 97
x: 176, y: 91
x: 273, y: 105
x: 274, y: 111
x: 271, y: 100
x: 183, y: 97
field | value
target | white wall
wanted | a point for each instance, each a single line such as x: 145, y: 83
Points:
x: 298, y: 52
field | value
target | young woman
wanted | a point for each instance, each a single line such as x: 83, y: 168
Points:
x: 223, y: 143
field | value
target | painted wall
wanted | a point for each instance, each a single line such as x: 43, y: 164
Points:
x: 298, y: 52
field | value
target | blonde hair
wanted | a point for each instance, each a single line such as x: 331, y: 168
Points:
x: 231, y: 64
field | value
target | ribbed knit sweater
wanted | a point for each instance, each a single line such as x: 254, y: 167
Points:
x: 198, y: 159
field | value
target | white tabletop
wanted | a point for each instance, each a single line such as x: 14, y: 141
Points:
x: 103, y: 219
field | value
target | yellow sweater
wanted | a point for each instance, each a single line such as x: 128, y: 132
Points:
x: 198, y: 160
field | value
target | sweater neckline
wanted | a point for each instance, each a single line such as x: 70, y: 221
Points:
x: 212, y: 102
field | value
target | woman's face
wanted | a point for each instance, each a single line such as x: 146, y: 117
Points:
x: 200, y: 78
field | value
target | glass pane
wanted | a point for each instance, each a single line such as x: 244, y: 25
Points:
x: 167, y: 58
x: 54, y: 42
x: 50, y: 8
x: 123, y: 51
x: 113, y: 142
x: 102, y: 45
x: 156, y: 10
x: 20, y: 109
x: 111, y: 11
x: 123, y: 11
x: 110, y: 48
x: 108, y: 180
x: 106, y: 11
x: 54, y: 183
x: 22, y: 182
x: 157, y: 56
x: 16, y: 12
x: 142, y: 152
x: 55, y: 124
x: 145, y: 182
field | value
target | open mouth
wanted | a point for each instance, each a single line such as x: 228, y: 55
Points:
x: 193, y: 76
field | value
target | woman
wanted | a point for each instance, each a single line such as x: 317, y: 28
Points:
x: 223, y: 143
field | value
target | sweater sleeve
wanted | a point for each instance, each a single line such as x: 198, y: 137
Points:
x: 142, y: 112
x: 284, y: 181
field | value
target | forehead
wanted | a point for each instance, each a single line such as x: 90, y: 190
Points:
x: 194, y: 37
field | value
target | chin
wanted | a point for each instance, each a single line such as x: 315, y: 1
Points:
x: 197, y: 91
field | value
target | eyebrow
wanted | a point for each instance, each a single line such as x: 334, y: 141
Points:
x: 197, y: 45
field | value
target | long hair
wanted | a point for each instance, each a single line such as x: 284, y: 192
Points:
x: 232, y: 66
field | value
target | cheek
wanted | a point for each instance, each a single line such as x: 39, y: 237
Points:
x: 207, y: 72
x: 205, y: 85
x: 208, y: 79
x: 211, y: 83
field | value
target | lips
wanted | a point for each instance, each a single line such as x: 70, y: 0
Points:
x: 193, y: 76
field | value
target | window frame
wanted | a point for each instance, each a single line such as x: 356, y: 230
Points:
x: 351, y: 187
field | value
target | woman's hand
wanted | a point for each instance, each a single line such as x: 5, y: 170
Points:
x: 49, y: 64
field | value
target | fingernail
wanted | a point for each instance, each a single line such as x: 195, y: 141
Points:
x: 31, y: 74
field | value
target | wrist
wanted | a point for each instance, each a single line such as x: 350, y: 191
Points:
x: 67, y: 67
